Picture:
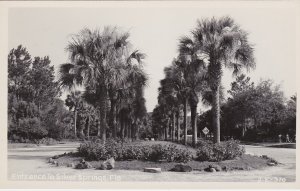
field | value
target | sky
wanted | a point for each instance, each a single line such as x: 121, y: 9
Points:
x: 155, y: 30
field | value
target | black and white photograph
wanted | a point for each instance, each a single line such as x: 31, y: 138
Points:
x: 155, y: 92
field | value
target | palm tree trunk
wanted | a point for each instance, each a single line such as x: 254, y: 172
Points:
x: 216, y: 114
x: 81, y: 125
x: 194, y: 123
x: 166, y: 133
x: 113, y: 116
x: 167, y: 129
x: 75, y: 121
x: 178, y: 126
x: 185, y: 120
x: 129, y: 130
x: 88, y: 127
x: 126, y: 129
x: 122, y: 129
x: 136, y: 132
x: 173, y: 126
x: 103, y: 108
x: 99, y: 128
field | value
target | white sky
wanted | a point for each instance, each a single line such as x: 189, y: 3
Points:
x: 155, y: 30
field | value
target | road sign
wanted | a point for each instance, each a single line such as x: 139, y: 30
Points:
x: 205, y: 130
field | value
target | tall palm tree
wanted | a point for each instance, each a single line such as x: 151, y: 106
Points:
x: 164, y: 111
x: 174, y: 85
x: 195, y: 81
x: 96, y: 64
x: 131, y: 101
x: 223, y: 44
x: 170, y: 105
x: 133, y: 77
x: 184, y: 80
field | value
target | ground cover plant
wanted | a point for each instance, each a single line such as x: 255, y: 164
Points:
x: 227, y: 150
x: 125, y: 151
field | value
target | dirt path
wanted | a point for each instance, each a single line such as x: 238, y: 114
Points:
x: 31, y: 164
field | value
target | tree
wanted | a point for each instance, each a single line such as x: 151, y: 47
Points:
x: 57, y: 120
x: 174, y: 86
x: 237, y: 108
x: 72, y: 102
x: 195, y: 81
x: 129, y: 101
x: 290, y: 120
x: 183, y: 83
x: 241, y: 84
x: 97, y: 60
x: 146, y: 127
x: 31, y: 89
x: 255, y: 112
x: 19, y: 61
x: 160, y: 122
x: 170, y: 104
x: 223, y: 44
x: 43, y: 86
x: 90, y: 113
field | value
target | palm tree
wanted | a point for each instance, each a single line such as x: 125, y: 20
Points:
x: 82, y: 118
x: 134, y: 93
x: 131, y: 101
x: 97, y: 60
x: 72, y: 102
x: 90, y: 112
x: 184, y: 80
x: 133, y: 79
x: 222, y: 43
x: 160, y: 121
x: 174, y: 85
x: 195, y: 81
x: 169, y: 103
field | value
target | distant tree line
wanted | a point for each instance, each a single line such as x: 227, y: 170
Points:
x: 255, y: 112
x: 107, y: 70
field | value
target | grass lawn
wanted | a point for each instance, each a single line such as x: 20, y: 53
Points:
x: 245, y: 162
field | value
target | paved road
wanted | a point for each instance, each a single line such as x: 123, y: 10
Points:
x: 30, y: 163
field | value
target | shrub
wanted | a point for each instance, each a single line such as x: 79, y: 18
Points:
x: 172, y: 153
x: 32, y: 128
x: 46, y: 141
x: 123, y: 151
x: 269, y: 159
x: 218, y: 152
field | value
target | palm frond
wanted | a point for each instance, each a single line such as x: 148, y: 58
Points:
x: 137, y: 55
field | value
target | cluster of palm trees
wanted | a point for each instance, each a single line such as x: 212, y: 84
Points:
x: 197, y: 71
x: 111, y: 73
